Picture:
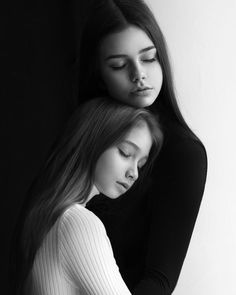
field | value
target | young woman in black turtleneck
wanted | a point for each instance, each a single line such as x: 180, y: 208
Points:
x: 123, y: 54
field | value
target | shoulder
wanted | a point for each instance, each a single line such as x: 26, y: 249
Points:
x: 182, y: 156
x: 187, y: 148
x: 180, y: 172
x: 179, y: 144
x: 79, y: 221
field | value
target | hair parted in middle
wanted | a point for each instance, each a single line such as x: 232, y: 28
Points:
x: 106, y: 17
x: 111, y: 16
x: 68, y: 175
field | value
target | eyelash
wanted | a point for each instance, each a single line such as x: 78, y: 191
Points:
x: 150, y: 60
x: 128, y: 156
x: 124, y: 154
x: 116, y: 68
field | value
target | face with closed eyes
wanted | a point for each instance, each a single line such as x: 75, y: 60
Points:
x: 129, y: 67
x: 118, y: 167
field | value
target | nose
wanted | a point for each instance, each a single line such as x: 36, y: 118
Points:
x: 137, y: 73
x: 132, y: 174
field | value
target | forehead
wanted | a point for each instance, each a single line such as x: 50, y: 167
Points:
x: 141, y: 137
x: 128, y: 41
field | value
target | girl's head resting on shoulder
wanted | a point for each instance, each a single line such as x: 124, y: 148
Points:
x: 107, y: 144
x: 119, y: 166
x: 123, y: 54
x: 105, y: 147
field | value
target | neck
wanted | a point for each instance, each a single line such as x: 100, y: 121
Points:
x: 94, y: 191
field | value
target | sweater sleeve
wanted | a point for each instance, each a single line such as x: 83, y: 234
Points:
x: 174, y: 207
x: 86, y: 254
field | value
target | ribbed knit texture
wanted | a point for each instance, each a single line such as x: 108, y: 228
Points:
x: 76, y: 257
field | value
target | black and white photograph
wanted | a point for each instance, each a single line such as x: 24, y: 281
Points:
x: 118, y: 147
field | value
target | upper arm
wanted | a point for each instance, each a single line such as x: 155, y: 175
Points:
x: 182, y: 176
x: 174, y: 207
x: 87, y: 256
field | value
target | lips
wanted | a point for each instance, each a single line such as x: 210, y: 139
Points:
x: 125, y: 185
x: 137, y: 89
x: 142, y: 91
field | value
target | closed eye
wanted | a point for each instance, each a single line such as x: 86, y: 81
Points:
x: 124, y: 154
x: 118, y: 67
x: 150, y: 60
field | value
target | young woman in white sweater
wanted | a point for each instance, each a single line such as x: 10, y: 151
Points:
x: 65, y: 250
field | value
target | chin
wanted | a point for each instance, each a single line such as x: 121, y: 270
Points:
x: 113, y: 197
x: 112, y: 194
x: 142, y: 102
x: 146, y: 102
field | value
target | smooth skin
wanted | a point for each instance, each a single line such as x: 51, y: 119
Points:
x: 118, y: 167
x: 129, y: 67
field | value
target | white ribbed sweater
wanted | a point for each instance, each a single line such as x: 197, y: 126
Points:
x: 76, y: 258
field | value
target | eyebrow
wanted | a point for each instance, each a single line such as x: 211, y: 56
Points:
x: 124, y: 55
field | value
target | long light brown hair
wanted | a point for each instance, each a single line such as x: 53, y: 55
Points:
x: 68, y: 174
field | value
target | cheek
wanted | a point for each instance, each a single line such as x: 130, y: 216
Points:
x: 156, y: 77
x: 115, y: 81
x: 111, y: 167
x: 107, y: 172
x: 106, y: 166
x: 102, y: 167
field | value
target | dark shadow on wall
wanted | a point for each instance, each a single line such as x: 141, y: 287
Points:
x: 40, y: 42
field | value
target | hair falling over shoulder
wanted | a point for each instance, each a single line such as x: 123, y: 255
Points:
x: 67, y: 175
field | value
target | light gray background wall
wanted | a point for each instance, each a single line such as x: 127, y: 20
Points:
x: 201, y: 36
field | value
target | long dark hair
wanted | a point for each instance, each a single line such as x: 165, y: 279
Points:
x: 67, y: 176
x: 110, y: 16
